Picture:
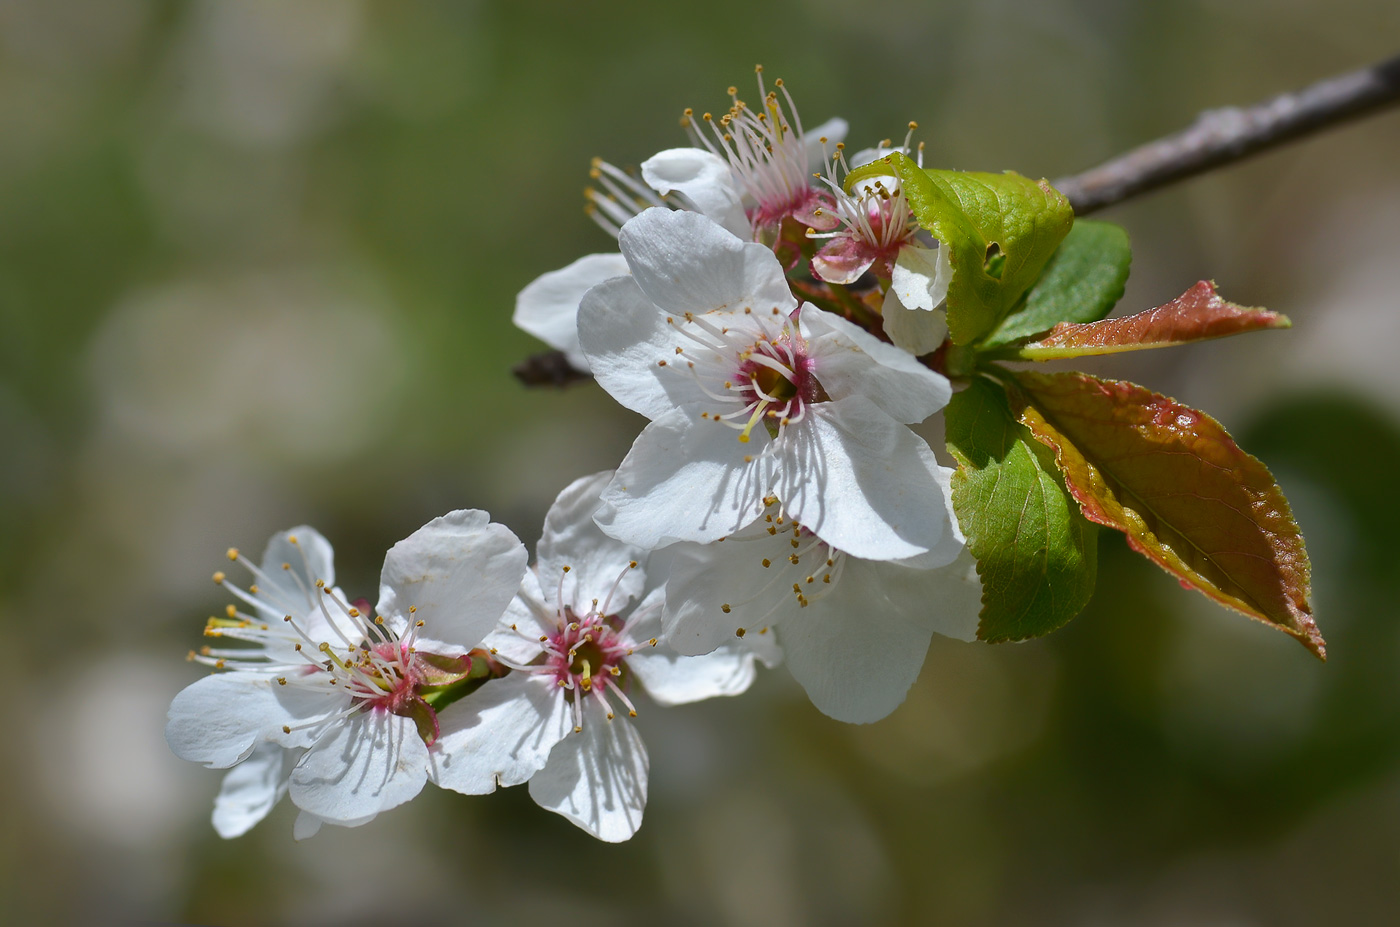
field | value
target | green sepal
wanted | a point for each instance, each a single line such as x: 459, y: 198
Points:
x: 1082, y: 282
x: 999, y: 229
x: 1036, y: 554
x: 424, y: 718
x: 439, y: 670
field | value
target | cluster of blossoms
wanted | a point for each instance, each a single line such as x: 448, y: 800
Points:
x: 769, y: 324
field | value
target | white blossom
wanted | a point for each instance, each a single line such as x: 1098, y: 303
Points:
x: 324, y: 677
x: 682, y: 178
x: 770, y: 156
x: 854, y: 632
x: 580, y: 637
x: 750, y: 394
x: 878, y: 232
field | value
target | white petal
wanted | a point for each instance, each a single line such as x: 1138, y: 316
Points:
x: 371, y: 763
x: 858, y: 650
x: 921, y: 276
x: 597, y: 778
x: 703, y: 179
x: 951, y: 546
x: 289, y: 591
x: 251, y: 789
x: 685, y: 479
x: 685, y: 262
x: 458, y: 573
x: 862, y: 482
x: 525, y: 611
x: 913, y: 330
x: 850, y: 361
x: 548, y: 307
x: 832, y: 131
x: 307, y: 826
x: 595, y: 561
x: 671, y: 679
x: 704, y: 578
x: 624, y: 334
x: 219, y: 719
x: 501, y: 734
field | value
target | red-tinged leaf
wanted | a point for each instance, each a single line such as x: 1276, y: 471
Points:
x: 1195, y: 315
x: 1172, y: 480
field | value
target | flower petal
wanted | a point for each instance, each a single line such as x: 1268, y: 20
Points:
x: 219, y: 719
x: 251, y: 789
x: 858, y: 649
x: 672, y: 679
x: 850, y: 361
x: 703, y: 179
x: 548, y: 307
x: 842, y: 260
x: 595, y: 560
x: 527, y: 613
x: 825, y: 135
x: 704, y: 578
x: 685, y: 262
x: 685, y: 479
x: 307, y: 826
x: 913, y: 330
x: 457, y: 574
x: 862, y: 482
x: 624, y: 335
x: 597, y: 778
x: 501, y: 734
x: 371, y: 763
x: 307, y: 560
x: 921, y: 276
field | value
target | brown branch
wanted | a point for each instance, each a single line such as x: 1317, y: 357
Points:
x: 551, y: 368
x: 1217, y: 138
x: 1223, y: 136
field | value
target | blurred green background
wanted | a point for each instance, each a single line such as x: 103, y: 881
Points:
x: 257, y: 263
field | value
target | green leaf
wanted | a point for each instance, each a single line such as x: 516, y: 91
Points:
x: 1036, y: 555
x: 1082, y: 283
x: 1189, y: 500
x: 999, y: 230
x: 1196, y: 315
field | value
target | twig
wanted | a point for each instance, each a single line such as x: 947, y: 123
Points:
x: 1223, y: 136
x: 550, y: 368
x: 1218, y: 137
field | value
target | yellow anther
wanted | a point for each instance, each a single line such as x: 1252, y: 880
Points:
x: 291, y: 539
x: 219, y: 578
x: 233, y: 553
x: 767, y: 562
x: 724, y: 608
x: 353, y: 612
x: 740, y: 632
x: 231, y: 611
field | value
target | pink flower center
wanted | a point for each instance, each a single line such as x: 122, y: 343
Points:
x: 775, y: 383
x: 586, y: 654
